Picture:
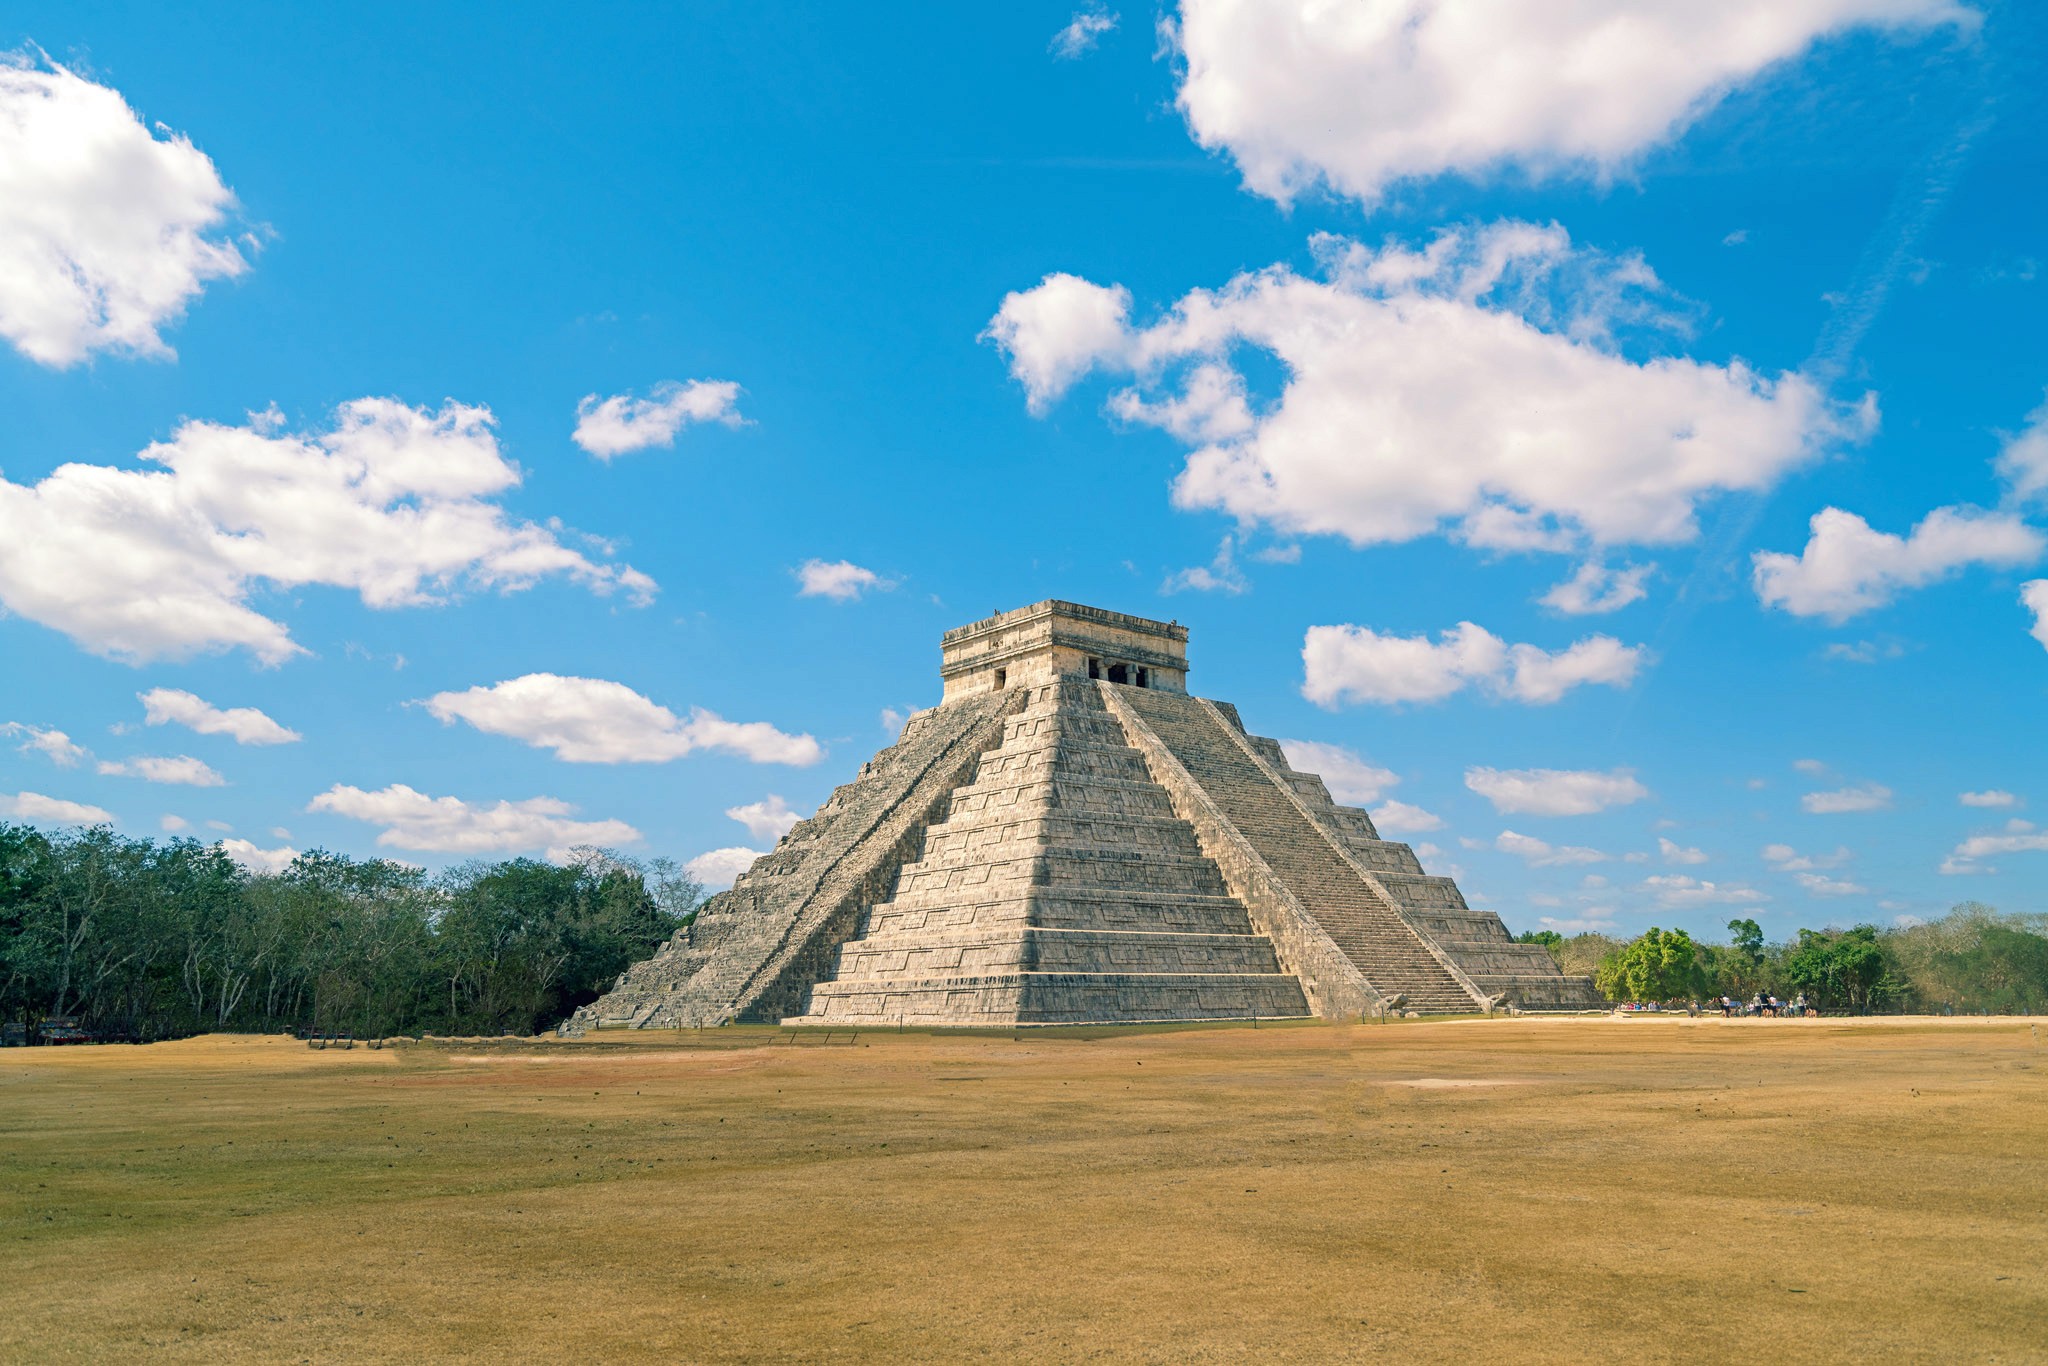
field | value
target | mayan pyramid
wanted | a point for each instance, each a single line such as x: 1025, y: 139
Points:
x: 1071, y: 837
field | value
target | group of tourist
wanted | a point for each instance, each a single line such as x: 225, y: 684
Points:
x: 1758, y: 1005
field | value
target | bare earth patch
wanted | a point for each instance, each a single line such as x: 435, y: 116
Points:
x: 1526, y: 1190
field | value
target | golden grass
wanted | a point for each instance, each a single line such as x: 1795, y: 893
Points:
x: 1637, y: 1190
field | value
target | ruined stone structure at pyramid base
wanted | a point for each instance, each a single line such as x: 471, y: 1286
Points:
x: 1070, y: 837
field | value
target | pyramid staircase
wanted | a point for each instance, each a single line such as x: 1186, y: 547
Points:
x: 1070, y: 837
x: 1061, y: 889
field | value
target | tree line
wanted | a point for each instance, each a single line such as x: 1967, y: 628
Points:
x: 1974, y: 960
x: 142, y: 938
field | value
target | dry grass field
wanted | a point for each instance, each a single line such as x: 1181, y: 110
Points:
x: 1639, y: 1190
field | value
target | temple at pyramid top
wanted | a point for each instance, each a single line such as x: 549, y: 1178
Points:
x: 1071, y: 837
x: 1054, y: 639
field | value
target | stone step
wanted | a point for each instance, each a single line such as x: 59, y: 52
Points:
x: 1371, y: 933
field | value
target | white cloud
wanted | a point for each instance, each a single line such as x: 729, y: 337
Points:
x: 1081, y: 35
x: 107, y: 230
x: 1858, y: 797
x: 181, y: 769
x: 1359, y: 97
x: 247, y: 725
x: 1863, y: 651
x: 622, y: 423
x: 2018, y: 837
x: 1809, y: 766
x: 1786, y: 859
x: 1575, y: 924
x: 1352, y: 779
x: 1676, y: 891
x: 1399, y: 817
x: 1555, y: 791
x: 596, y: 721
x: 1057, y: 331
x: 839, y: 580
x: 1595, y: 589
x: 1675, y: 852
x: 1820, y: 884
x: 1847, y: 567
x: 391, y: 502
x: 1357, y: 664
x: 1542, y: 854
x: 769, y: 819
x: 1473, y: 385
x: 1219, y: 575
x: 2034, y: 597
x: 258, y: 860
x: 716, y: 869
x: 2023, y: 462
x: 53, y: 745
x: 34, y: 806
x: 1990, y: 797
x: 892, y: 721
x: 173, y: 824
x: 449, y: 825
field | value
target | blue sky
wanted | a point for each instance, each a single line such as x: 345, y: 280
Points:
x: 1383, y: 327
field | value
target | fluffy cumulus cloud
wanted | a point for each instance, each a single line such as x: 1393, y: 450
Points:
x: 1351, y: 778
x: 2034, y: 597
x: 1674, y: 852
x: 1351, y: 664
x: 1677, y: 891
x: 53, y: 745
x: 2018, y: 837
x: 1841, y: 800
x: 1220, y: 575
x: 1478, y: 384
x: 1595, y: 589
x: 1555, y: 791
x: 179, y: 769
x: 768, y: 819
x: 257, y: 859
x: 391, y: 502
x: 107, y: 230
x: 607, y: 427
x: 1059, y: 330
x: 1994, y: 797
x: 2023, y: 462
x: 449, y: 825
x: 1394, y: 817
x: 716, y: 869
x: 596, y: 721
x: 1820, y: 884
x: 1849, y: 567
x: 1082, y: 33
x: 1543, y: 854
x: 37, y: 809
x: 246, y: 725
x: 1360, y: 96
x: 839, y: 580
x: 1786, y: 859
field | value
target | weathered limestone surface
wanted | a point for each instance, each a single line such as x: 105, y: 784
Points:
x: 1070, y: 837
x: 753, y: 952
x: 1061, y: 888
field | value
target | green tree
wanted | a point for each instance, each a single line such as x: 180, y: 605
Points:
x: 1656, y: 966
x: 1846, y: 969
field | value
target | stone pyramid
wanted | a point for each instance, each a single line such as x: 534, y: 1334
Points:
x: 1070, y: 837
